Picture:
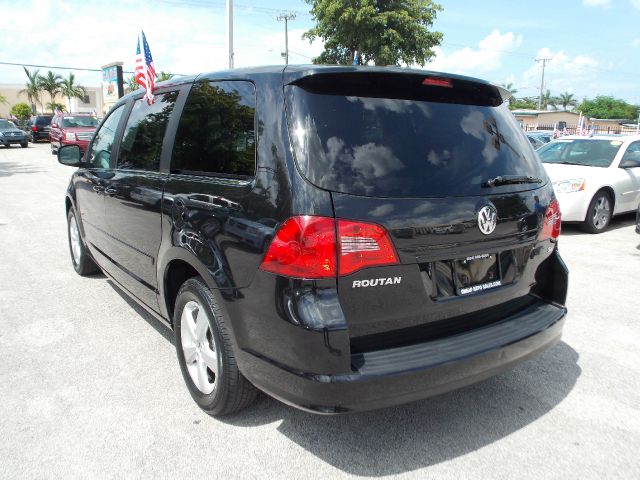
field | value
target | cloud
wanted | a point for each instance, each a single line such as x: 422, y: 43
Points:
x: 487, y: 57
x: 598, y: 3
x: 635, y: 4
x: 636, y: 43
x: 562, y: 73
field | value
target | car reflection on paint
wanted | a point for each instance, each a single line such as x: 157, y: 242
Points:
x: 255, y: 234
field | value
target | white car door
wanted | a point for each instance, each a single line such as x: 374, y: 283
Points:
x: 629, y: 186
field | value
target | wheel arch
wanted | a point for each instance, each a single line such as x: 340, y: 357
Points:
x: 612, y: 195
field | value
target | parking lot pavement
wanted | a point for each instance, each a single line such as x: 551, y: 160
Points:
x: 91, y: 387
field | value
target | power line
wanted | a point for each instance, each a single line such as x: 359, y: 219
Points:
x: 57, y: 67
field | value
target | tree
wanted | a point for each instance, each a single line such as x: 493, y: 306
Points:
x: 32, y: 87
x: 51, y: 83
x: 606, y: 107
x: 162, y: 76
x: 70, y: 89
x: 510, y: 88
x: 566, y: 100
x: 385, y: 33
x: 528, y: 103
x: 21, y: 111
x: 131, y: 83
x: 549, y: 100
x: 53, y: 106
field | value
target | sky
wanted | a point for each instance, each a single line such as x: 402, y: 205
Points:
x: 594, y: 45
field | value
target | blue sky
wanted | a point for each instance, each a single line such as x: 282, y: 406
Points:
x: 594, y: 44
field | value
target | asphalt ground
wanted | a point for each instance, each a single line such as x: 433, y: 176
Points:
x: 91, y: 388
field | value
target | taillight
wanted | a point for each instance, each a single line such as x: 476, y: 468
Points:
x: 363, y: 245
x: 34, y: 128
x: 552, y: 222
x: 303, y: 247
x: 306, y: 247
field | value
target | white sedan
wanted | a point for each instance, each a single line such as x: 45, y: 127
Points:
x: 594, y: 178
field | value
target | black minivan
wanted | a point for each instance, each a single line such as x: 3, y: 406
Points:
x: 341, y: 238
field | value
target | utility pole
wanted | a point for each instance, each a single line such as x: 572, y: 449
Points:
x: 230, y: 31
x: 286, y: 17
x: 544, y: 64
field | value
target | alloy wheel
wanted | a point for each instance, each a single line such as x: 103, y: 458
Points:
x: 74, y: 240
x: 601, y: 213
x: 199, y: 347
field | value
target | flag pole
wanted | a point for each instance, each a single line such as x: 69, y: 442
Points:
x: 230, y: 31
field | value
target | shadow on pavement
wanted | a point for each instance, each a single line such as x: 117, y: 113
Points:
x: 146, y: 316
x: 8, y: 169
x: 414, y: 436
x: 617, y: 222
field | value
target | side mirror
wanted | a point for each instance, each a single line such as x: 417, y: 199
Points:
x: 629, y: 163
x: 54, y: 125
x: 70, y: 155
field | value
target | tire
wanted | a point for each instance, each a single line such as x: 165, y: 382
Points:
x: 220, y: 389
x: 599, y: 213
x: 24, y: 145
x: 81, y: 260
x: 53, y: 150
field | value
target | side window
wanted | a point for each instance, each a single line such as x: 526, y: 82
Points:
x: 100, y: 153
x: 632, y: 153
x: 141, y: 144
x: 216, y: 133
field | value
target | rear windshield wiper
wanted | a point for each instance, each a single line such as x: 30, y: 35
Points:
x: 509, y: 180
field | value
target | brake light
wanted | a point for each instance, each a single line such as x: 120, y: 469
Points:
x: 552, y: 222
x: 34, y: 128
x: 437, y: 82
x: 306, y: 247
x: 303, y: 247
x: 363, y: 245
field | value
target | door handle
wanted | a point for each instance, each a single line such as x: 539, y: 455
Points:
x: 111, y: 191
x: 98, y: 189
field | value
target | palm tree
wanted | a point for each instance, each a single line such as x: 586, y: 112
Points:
x: 549, y: 100
x: 32, y: 87
x: 56, y: 106
x: 131, y: 83
x: 51, y: 83
x: 510, y: 88
x: 162, y: 76
x: 566, y: 100
x: 70, y: 89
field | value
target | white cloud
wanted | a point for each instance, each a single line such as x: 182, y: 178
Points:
x: 562, y: 73
x: 598, y: 3
x: 487, y: 57
x: 636, y: 43
x: 635, y: 4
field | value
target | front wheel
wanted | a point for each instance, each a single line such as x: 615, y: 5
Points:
x: 82, y: 262
x: 24, y: 145
x: 599, y: 213
x: 205, y: 352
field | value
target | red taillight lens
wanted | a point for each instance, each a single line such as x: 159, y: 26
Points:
x: 306, y: 247
x: 552, y: 222
x: 303, y: 247
x: 34, y: 128
x: 363, y: 245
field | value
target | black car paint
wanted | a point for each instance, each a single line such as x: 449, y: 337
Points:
x: 303, y: 341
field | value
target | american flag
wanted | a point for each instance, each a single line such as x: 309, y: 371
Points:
x: 145, y: 71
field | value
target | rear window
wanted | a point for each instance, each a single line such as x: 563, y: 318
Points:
x: 387, y: 144
x: 43, y: 120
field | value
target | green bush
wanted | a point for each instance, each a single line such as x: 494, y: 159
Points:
x: 21, y: 111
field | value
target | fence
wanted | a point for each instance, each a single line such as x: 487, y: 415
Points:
x: 597, y: 129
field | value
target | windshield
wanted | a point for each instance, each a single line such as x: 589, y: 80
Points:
x: 79, y: 122
x: 391, y: 147
x: 4, y: 124
x: 588, y: 152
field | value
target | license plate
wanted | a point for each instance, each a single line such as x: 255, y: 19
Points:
x: 476, y: 273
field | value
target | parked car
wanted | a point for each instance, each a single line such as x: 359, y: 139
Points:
x: 414, y: 232
x: 541, y: 135
x: 71, y: 129
x: 39, y: 126
x: 10, y: 134
x: 594, y: 178
x: 638, y: 219
x: 535, y: 142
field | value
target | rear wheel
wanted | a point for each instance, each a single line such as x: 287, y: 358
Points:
x: 599, y: 213
x: 82, y: 262
x: 205, y: 352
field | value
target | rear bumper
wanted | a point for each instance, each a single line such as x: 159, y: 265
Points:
x: 404, y: 374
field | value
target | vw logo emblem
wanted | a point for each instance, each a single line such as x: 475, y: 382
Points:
x: 487, y: 219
